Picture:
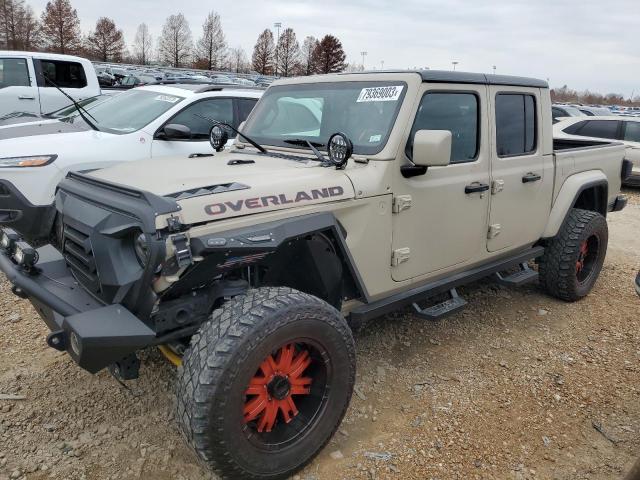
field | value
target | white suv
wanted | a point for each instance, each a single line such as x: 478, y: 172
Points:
x: 146, y: 122
x: 611, y: 127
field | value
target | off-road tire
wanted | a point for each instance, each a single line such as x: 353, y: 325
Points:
x: 557, y: 267
x: 225, y: 350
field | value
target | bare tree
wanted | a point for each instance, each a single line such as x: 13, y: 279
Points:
x: 19, y: 28
x: 329, y: 56
x: 263, y: 51
x: 288, y: 53
x: 308, y: 47
x: 237, y: 60
x: 61, y: 27
x: 106, y: 42
x: 30, y: 31
x: 212, y: 46
x: 142, y: 45
x: 175, y: 45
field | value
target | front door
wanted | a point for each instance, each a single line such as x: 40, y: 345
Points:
x: 441, y: 219
x: 18, y: 90
x: 521, y: 172
x: 195, y: 117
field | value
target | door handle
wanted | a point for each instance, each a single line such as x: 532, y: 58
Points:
x: 531, y: 177
x: 476, y: 187
x: 26, y: 97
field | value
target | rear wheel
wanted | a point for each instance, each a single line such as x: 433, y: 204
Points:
x: 265, y: 383
x: 572, y: 260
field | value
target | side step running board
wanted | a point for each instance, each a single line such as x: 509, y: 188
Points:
x: 521, y: 277
x: 442, y: 309
x: 386, y: 305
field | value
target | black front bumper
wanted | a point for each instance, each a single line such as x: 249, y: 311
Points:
x: 94, y: 334
x: 33, y: 222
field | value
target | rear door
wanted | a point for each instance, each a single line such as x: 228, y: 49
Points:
x: 68, y: 75
x: 18, y: 90
x: 521, y: 175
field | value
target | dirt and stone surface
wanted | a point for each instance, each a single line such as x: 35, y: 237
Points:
x: 517, y: 386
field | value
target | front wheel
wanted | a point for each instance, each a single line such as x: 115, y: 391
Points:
x: 573, y: 259
x: 265, y: 383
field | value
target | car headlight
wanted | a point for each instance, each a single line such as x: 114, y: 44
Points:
x: 30, y: 161
x: 141, y: 246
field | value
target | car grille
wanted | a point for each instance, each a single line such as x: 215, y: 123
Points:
x: 78, y: 254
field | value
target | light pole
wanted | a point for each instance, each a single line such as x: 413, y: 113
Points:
x: 494, y: 69
x: 381, y: 64
x: 277, y: 25
x: 364, y: 54
x: 454, y: 65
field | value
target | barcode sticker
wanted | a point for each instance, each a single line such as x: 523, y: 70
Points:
x: 380, y: 94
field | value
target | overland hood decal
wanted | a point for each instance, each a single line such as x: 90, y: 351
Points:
x: 273, y: 200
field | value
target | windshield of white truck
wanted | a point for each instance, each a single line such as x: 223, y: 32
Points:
x: 129, y: 111
x: 364, y: 111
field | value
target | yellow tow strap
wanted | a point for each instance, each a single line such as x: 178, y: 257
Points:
x: 170, y: 355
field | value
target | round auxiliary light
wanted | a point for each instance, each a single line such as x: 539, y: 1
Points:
x: 218, y: 138
x: 340, y: 149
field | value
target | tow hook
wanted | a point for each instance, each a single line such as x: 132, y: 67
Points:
x: 57, y: 340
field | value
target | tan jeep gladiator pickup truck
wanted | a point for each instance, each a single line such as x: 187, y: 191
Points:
x: 348, y: 196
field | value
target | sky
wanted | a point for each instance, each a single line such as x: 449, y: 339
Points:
x: 585, y: 44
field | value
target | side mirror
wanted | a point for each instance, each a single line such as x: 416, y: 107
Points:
x: 175, y: 131
x: 432, y: 148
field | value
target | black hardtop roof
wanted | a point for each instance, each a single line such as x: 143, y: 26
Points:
x: 447, y: 76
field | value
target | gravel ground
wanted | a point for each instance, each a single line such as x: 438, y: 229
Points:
x: 518, y: 385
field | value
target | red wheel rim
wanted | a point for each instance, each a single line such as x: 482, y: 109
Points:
x: 582, y: 255
x: 270, y: 394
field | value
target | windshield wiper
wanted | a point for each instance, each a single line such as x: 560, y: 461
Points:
x: 81, y: 111
x: 226, y: 125
x: 302, y: 142
x: 307, y: 143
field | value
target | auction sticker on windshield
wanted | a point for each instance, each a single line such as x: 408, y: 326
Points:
x: 167, y: 98
x: 380, y: 94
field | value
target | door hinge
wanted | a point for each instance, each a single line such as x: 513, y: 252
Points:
x: 494, y: 230
x: 401, y: 202
x: 497, y: 186
x: 400, y: 255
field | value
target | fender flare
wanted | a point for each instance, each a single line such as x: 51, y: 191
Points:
x: 256, y: 242
x: 569, y: 194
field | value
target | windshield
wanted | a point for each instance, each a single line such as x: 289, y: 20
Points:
x: 364, y: 111
x: 69, y: 109
x: 129, y: 111
x: 573, y: 111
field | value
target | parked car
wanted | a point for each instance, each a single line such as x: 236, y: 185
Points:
x: 249, y: 268
x: 16, y: 118
x: 131, y: 81
x: 594, y: 111
x: 561, y: 111
x: 146, y: 122
x: 623, y: 129
x: 23, y: 87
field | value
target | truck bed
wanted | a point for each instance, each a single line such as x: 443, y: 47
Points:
x: 576, y: 156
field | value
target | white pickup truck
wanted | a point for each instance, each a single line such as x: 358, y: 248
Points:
x: 23, y: 87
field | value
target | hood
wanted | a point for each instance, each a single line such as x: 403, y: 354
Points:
x: 54, y: 143
x: 20, y: 117
x: 232, y: 184
x: 39, y: 128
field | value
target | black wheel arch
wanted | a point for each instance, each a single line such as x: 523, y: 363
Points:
x: 307, y: 252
